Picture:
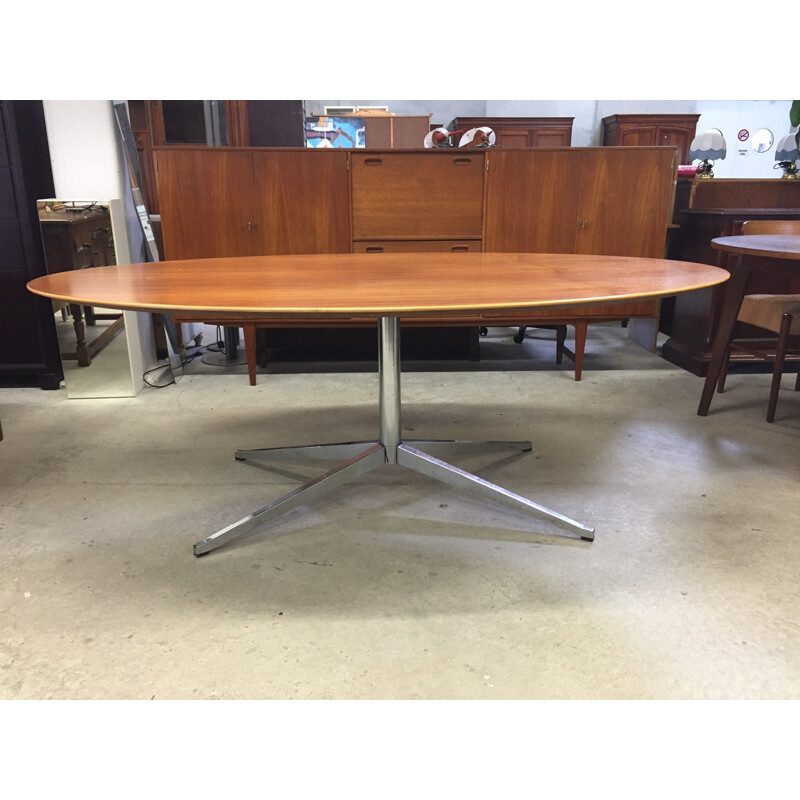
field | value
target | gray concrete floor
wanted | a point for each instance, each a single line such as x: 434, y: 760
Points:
x: 397, y: 587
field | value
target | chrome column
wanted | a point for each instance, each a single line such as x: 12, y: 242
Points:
x: 389, y: 376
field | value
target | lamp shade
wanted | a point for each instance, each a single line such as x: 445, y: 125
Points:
x: 708, y: 146
x: 787, y: 148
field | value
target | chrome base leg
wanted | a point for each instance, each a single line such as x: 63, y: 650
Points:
x: 366, y: 461
x: 412, y: 458
x: 340, y: 450
x: 362, y: 457
x: 450, y: 447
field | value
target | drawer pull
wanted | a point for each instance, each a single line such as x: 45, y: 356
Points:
x: 461, y: 162
x: 375, y: 249
x: 459, y: 248
x: 373, y: 162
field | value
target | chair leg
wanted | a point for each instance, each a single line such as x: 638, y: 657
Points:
x: 723, y: 373
x: 519, y: 336
x: 580, y: 346
x: 780, y: 356
x: 561, y: 337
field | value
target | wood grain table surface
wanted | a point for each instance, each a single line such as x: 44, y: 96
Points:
x: 376, y: 285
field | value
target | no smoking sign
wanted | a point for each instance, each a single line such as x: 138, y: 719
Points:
x: 743, y: 135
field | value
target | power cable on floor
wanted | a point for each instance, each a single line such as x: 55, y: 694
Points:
x: 216, y: 347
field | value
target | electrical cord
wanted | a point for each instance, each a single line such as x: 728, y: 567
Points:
x: 217, y: 347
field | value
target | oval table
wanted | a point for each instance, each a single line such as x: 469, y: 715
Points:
x: 384, y: 288
x: 783, y: 252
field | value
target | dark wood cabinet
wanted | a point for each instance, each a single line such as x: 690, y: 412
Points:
x: 79, y: 236
x: 716, y: 208
x: 651, y: 130
x: 519, y: 132
x: 29, y: 353
x: 695, y: 315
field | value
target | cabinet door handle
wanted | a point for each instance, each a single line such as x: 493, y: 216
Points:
x: 584, y: 223
x: 250, y: 226
x: 461, y: 162
x: 373, y: 162
x: 374, y: 249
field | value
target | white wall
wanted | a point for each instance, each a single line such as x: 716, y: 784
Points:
x: 83, y: 149
x: 88, y: 164
x: 733, y: 116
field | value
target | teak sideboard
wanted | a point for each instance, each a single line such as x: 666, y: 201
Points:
x: 259, y: 201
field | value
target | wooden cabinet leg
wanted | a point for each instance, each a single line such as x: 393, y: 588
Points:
x: 580, y: 346
x: 250, y: 351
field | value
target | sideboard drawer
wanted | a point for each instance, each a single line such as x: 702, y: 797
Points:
x: 419, y: 246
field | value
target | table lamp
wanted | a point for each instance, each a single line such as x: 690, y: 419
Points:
x: 786, y: 153
x: 707, y: 146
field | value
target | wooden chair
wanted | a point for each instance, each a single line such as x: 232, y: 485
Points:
x: 777, y: 313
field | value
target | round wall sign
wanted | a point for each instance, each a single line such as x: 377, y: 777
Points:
x: 744, y: 135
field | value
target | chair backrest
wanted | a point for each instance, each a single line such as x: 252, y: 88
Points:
x: 779, y: 227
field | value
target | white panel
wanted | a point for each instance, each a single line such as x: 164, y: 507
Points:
x: 733, y: 116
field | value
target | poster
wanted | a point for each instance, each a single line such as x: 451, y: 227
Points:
x: 335, y: 132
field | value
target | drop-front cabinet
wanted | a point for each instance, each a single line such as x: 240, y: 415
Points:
x: 399, y: 199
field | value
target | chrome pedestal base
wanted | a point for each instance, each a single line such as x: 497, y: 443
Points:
x: 358, y: 458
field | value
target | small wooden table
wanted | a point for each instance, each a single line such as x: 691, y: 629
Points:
x: 783, y: 252
x: 358, y: 286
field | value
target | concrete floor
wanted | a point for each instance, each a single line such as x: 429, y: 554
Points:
x: 398, y: 587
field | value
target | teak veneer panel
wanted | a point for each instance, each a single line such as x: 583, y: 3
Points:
x: 234, y: 202
x: 620, y: 216
x: 417, y: 195
x: 206, y: 201
x: 532, y: 201
x: 304, y: 201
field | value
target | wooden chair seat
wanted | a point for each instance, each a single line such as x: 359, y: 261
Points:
x: 767, y: 310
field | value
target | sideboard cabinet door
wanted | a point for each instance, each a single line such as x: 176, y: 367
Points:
x: 209, y: 204
x: 304, y: 201
x: 532, y: 200
x: 625, y: 201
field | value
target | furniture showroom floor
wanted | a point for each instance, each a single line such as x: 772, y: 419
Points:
x: 396, y: 586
